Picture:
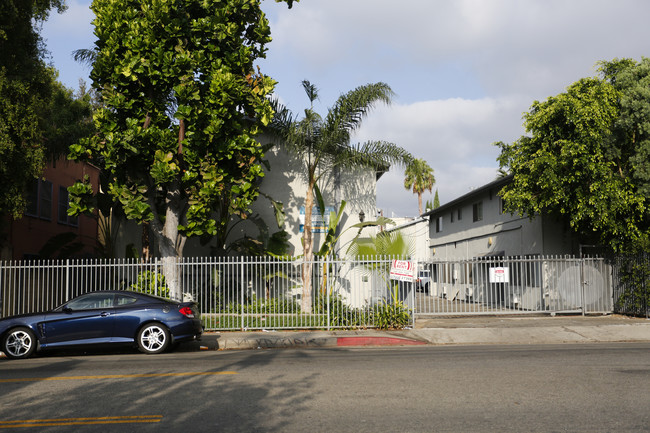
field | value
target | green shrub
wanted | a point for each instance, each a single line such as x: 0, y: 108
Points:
x: 392, y: 315
x: 340, y: 313
x: 151, y: 283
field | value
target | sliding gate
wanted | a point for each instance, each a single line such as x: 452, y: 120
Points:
x: 500, y: 285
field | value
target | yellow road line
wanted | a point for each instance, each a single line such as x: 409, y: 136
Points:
x: 81, y: 421
x: 119, y: 376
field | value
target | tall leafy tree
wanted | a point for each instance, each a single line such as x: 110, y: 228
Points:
x: 419, y: 178
x: 182, y: 104
x: 27, y: 89
x: 585, y: 158
x: 325, y: 145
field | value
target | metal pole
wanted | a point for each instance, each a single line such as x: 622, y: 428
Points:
x: 582, y: 286
x: 242, y: 288
x: 67, y: 280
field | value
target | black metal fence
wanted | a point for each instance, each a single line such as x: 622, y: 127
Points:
x: 631, y: 278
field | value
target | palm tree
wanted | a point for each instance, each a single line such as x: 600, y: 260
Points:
x: 324, y: 145
x: 419, y: 178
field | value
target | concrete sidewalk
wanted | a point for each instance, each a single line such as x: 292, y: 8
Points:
x: 463, y: 331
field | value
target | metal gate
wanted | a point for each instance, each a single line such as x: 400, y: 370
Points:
x: 514, y: 285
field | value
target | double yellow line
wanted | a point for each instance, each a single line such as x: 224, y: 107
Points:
x: 80, y: 421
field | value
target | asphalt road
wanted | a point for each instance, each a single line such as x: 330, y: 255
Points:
x: 549, y: 388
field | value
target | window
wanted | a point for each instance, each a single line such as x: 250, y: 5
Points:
x: 39, y: 199
x: 438, y: 224
x: 64, y: 205
x: 502, y: 206
x: 92, y: 301
x: 452, y: 216
x: 45, y: 200
x: 32, y: 199
x: 459, y: 214
x: 477, y: 211
x: 125, y: 300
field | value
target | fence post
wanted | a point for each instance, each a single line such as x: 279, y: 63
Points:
x: 155, y: 278
x: 67, y: 280
x: 416, y: 272
x: 326, y: 292
x: 242, y: 288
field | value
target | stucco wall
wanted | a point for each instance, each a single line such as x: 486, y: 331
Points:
x: 496, y: 234
x: 285, y: 182
x: 29, y: 234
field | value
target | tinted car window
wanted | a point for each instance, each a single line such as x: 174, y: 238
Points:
x: 92, y: 301
x: 125, y: 300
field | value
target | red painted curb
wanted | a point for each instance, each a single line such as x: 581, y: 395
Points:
x: 376, y: 341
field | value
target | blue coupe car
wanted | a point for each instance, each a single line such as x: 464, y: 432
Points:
x: 106, y: 317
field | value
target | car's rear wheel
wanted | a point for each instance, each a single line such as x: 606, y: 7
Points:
x: 19, y: 343
x: 153, y: 338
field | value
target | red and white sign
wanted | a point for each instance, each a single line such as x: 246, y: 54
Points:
x: 499, y: 275
x: 402, y: 270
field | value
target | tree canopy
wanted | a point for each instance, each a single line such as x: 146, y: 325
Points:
x: 419, y: 178
x: 182, y: 104
x: 325, y: 144
x: 586, y: 156
x: 39, y: 117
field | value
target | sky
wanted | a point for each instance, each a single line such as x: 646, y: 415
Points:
x: 463, y: 71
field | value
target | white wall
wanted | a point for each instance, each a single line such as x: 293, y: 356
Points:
x: 286, y: 182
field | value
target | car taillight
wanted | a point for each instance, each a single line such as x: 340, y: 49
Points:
x: 187, y: 312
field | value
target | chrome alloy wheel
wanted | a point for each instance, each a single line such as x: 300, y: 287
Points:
x: 153, y: 339
x: 20, y: 343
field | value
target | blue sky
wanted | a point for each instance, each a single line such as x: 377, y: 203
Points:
x: 464, y: 71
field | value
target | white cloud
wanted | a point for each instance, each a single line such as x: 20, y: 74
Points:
x: 464, y: 70
x: 455, y: 136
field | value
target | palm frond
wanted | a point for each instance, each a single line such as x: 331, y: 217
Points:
x: 85, y: 56
x: 351, y: 108
x: 311, y: 91
x: 419, y: 176
x: 374, y: 154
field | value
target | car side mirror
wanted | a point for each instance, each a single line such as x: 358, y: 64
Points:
x: 67, y: 310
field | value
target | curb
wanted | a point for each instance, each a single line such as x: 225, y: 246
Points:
x: 376, y: 341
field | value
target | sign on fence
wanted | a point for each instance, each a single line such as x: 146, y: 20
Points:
x: 402, y: 270
x: 499, y: 275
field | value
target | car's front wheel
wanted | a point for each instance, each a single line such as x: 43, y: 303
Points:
x: 19, y: 343
x: 153, y: 338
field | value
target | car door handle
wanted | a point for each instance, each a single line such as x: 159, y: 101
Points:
x: 105, y: 314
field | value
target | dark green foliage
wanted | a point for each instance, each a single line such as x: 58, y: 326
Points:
x: 586, y: 158
x: 633, y: 285
x: 39, y: 117
x: 181, y: 104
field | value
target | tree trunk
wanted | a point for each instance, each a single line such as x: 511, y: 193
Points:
x: 146, y: 245
x: 420, y: 203
x: 308, y: 248
x: 171, y: 242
